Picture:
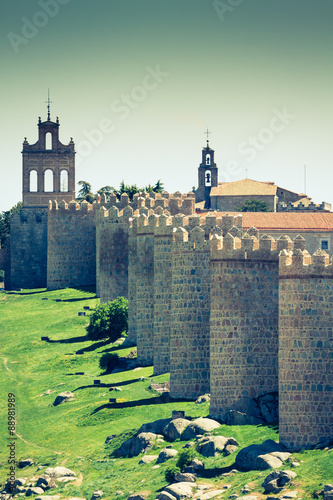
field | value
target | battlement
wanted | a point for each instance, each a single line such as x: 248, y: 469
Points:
x: 29, y: 217
x: 71, y: 208
x: 194, y: 239
x: 300, y: 264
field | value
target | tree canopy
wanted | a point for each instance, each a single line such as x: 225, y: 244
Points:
x: 253, y: 205
x: 5, y: 221
x: 85, y: 192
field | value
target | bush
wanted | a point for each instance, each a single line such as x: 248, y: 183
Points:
x: 2, y: 275
x: 170, y: 472
x: 109, y: 361
x: 108, y: 320
x: 185, y: 458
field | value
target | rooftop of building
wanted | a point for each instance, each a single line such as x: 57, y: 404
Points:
x: 245, y: 187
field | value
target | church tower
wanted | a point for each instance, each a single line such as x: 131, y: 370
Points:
x: 48, y: 166
x: 207, y: 175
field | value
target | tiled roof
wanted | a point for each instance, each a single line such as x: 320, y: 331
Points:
x: 290, y: 221
x: 244, y: 187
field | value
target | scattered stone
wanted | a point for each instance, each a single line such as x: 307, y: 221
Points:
x: 46, y: 393
x: 109, y: 438
x: 46, y: 482
x: 234, y: 417
x: 59, y: 472
x: 63, y: 397
x: 48, y: 497
x: 146, y: 459
x: 205, y: 398
x: 180, y: 490
x: 165, y: 455
x: 233, y: 496
x: 295, y: 464
x: 246, y: 489
x: 259, y: 456
x: 226, y: 486
x: 119, y: 493
x: 174, y: 429
x: 185, y: 477
x: 212, y: 446
x: 136, y: 445
x: 138, y: 496
x: 118, y: 389
x: 230, y: 448
x: 156, y: 427
x: 65, y: 479
x: 160, y: 440
x: 197, y: 464
x: 210, y: 494
x: 34, y: 491
x: 20, y: 481
x: 26, y: 462
x: 189, y: 444
x: 276, y: 480
x: 155, y: 467
x: 199, y: 426
x: 283, y: 456
x: 328, y: 492
x: 164, y: 495
x: 249, y: 497
x: 97, y: 494
x: 290, y: 495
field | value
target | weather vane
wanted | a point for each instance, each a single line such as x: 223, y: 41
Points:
x: 207, y: 133
x: 48, y: 102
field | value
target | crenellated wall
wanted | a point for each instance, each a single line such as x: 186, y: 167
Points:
x: 190, y: 309
x: 28, y: 248
x: 71, y: 245
x: 305, y: 349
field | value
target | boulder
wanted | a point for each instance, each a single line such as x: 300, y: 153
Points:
x: 197, y: 464
x: 230, y: 448
x: 328, y: 492
x: 205, y: 398
x: 109, y: 438
x: 138, y: 496
x: 136, y: 445
x: 63, y: 397
x: 48, y: 497
x: 164, y: 495
x: 46, y: 482
x: 234, y: 417
x: 189, y: 444
x: 174, y: 429
x: 180, y: 490
x: 156, y: 427
x: 277, y: 480
x: 97, y: 494
x: 59, y: 472
x: 259, y: 457
x: 146, y: 459
x: 34, y: 491
x: 165, y: 455
x: 199, y: 426
x: 214, y: 445
x: 185, y: 477
x: 210, y: 494
x: 26, y: 462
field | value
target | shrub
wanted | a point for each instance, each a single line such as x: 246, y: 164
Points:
x: 108, y: 320
x: 170, y: 472
x: 185, y: 457
x: 109, y: 361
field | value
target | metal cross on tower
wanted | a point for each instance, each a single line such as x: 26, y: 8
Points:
x: 48, y: 102
x: 207, y: 133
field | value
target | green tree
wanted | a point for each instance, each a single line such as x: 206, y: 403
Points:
x: 5, y: 221
x: 253, y: 205
x: 85, y: 192
x: 109, y: 361
x: 108, y: 320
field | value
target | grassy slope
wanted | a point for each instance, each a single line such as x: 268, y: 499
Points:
x: 73, y: 434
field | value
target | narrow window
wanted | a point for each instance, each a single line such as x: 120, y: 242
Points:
x: 48, y: 181
x: 48, y: 141
x: 33, y: 184
x: 207, y: 159
x: 64, y: 181
x: 208, y: 178
x: 324, y: 245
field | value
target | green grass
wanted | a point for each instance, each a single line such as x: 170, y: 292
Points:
x: 73, y: 434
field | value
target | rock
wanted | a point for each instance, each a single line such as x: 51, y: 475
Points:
x: 185, y: 477
x: 146, y: 459
x: 48, y: 497
x: 136, y: 445
x: 283, y: 456
x: 119, y: 493
x: 205, y: 398
x: 233, y: 496
x: 138, y: 496
x: 258, y: 456
x: 109, y: 438
x: 234, y: 417
x: 249, y: 497
x: 214, y: 445
x: 165, y: 455
x: 295, y: 464
x: 290, y: 495
x: 20, y: 481
x: 156, y: 427
x: 160, y: 440
x: 164, y: 495
x: 34, y: 491
x: 230, y: 448
x: 199, y: 426
x: 66, y: 479
x: 97, y: 494
x: 197, y: 464
x: 276, y: 480
x: 155, y: 467
x: 269, y: 407
x: 246, y: 489
x: 174, y: 429
x: 26, y: 462
x: 189, y: 444
x: 59, y: 472
x: 210, y: 494
x: 180, y: 490
x: 328, y: 492
x: 46, y: 482
x: 118, y: 389
x: 63, y: 397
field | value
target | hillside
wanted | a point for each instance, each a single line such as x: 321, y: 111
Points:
x: 73, y: 434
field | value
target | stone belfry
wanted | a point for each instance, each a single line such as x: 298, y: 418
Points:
x: 48, y: 166
x: 207, y: 175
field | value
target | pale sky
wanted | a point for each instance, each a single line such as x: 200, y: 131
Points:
x: 137, y: 82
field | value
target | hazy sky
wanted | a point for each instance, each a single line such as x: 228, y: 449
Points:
x: 137, y: 82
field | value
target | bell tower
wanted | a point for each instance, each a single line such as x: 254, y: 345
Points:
x: 48, y: 166
x: 207, y: 175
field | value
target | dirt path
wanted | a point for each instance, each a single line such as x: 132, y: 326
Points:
x: 41, y: 447
x: 5, y: 363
